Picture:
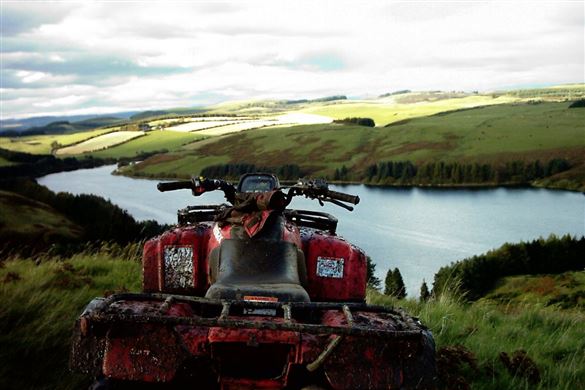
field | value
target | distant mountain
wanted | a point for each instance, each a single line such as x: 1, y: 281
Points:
x: 172, y: 111
x: 19, y: 125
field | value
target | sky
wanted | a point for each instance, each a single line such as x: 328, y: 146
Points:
x: 97, y: 57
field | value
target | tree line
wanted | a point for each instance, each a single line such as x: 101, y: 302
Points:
x: 477, y: 275
x: 517, y: 172
x: 36, y: 165
x: 234, y: 171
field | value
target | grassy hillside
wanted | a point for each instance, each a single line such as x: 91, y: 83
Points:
x: 41, y: 300
x: 565, y: 290
x: 35, y: 220
x: 150, y: 142
x: 385, y: 111
x: 26, y: 221
x: 492, y: 134
x: 419, y: 127
x: 43, y: 144
x: 5, y: 163
x: 101, y: 142
x: 472, y: 338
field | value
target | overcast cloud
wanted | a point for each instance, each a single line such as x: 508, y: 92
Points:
x: 104, y: 56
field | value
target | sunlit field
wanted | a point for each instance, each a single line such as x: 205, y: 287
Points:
x: 102, y: 142
x: 43, y: 144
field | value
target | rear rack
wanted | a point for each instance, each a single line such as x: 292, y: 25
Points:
x: 312, y: 219
x: 195, y: 214
x: 294, y: 316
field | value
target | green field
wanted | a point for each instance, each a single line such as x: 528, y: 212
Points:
x: 42, y: 144
x: 152, y: 141
x: 419, y: 127
x: 489, y: 134
x: 100, y: 142
x: 384, y: 111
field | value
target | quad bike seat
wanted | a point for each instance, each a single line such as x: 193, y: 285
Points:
x: 262, y: 266
x: 256, y: 268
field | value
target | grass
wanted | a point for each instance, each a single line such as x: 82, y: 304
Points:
x: 554, y: 339
x: 389, y: 111
x: 566, y: 290
x: 151, y: 141
x: 41, y: 299
x: 171, y: 166
x: 492, y: 134
x: 100, y: 142
x: 5, y: 163
x: 22, y: 217
x: 42, y: 144
x: 200, y: 125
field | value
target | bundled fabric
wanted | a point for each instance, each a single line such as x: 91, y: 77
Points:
x: 251, y: 210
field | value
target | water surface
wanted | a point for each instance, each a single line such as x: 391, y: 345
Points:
x: 417, y: 230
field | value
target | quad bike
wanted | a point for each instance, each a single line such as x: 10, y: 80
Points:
x: 252, y: 295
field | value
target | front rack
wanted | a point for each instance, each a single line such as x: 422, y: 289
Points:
x: 294, y: 316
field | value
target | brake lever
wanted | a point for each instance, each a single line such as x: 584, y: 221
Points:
x: 338, y: 203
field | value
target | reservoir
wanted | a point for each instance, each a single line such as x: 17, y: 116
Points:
x: 418, y: 230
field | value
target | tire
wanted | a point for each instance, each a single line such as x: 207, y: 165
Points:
x: 421, y: 372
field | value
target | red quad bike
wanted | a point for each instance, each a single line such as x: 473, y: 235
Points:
x: 252, y: 295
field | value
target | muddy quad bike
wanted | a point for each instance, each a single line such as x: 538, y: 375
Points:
x: 252, y: 295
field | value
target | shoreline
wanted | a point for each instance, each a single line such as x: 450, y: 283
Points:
x: 446, y: 186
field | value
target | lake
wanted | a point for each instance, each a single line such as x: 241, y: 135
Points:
x: 417, y: 230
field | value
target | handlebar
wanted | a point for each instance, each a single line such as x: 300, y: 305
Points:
x: 313, y: 189
x: 174, y: 185
x: 198, y: 186
x: 319, y: 189
x: 353, y: 199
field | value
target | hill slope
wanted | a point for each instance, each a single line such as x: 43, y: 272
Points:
x: 493, y: 135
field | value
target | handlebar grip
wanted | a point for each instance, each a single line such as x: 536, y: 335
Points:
x: 353, y: 199
x: 174, y: 185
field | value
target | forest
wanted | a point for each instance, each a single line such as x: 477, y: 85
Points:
x: 514, y: 172
x: 477, y: 275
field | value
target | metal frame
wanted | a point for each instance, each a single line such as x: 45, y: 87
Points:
x: 293, y: 312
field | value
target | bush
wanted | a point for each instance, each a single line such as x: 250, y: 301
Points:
x: 368, y: 122
x: 578, y: 103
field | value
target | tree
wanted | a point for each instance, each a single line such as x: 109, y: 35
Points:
x: 394, y: 284
x: 373, y: 281
x: 389, y: 287
x: 424, y: 292
x: 400, y: 287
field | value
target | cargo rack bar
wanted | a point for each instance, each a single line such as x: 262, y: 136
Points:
x: 411, y: 327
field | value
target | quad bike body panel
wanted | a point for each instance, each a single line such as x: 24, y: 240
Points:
x: 262, y: 297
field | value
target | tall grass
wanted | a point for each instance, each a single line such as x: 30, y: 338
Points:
x: 553, y: 339
x: 41, y: 299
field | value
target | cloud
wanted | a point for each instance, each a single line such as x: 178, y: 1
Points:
x: 146, y: 55
x: 20, y: 17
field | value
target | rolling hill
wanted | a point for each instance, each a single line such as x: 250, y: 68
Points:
x: 416, y: 127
